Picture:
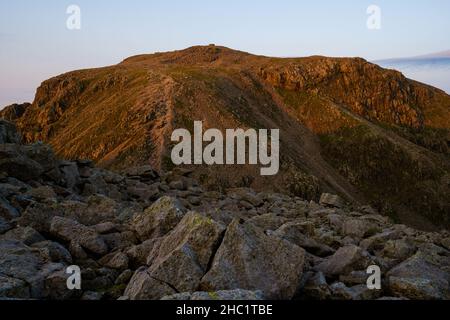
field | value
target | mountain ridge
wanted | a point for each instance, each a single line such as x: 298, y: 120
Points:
x: 123, y: 115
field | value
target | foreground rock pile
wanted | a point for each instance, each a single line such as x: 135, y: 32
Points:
x: 140, y: 235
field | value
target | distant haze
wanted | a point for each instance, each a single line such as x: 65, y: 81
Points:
x: 432, y: 69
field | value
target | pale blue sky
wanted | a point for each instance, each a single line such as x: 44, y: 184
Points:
x: 35, y: 43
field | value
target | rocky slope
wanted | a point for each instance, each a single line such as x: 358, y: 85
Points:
x: 143, y: 235
x: 347, y: 126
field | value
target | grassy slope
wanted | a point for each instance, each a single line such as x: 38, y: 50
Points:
x: 345, y: 123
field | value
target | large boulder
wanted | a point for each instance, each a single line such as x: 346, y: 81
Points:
x: 15, y: 163
x: 399, y: 249
x: 358, y: 228
x: 419, y: 278
x: 345, y: 260
x: 143, y: 286
x: 138, y: 254
x: 70, y: 174
x: 250, y: 259
x: 8, y: 133
x: 72, y: 231
x: 38, y: 216
x: 26, y: 235
x: 53, y: 251
x: 44, y: 155
x: 159, y: 219
x: 21, y: 264
x: 268, y: 221
x: 294, y: 232
x: 316, y: 287
x: 183, y: 256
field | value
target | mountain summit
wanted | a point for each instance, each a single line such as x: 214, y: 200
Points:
x: 346, y: 126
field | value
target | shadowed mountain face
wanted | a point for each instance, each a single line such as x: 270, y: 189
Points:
x: 347, y: 126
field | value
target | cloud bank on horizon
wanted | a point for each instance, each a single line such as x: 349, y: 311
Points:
x: 38, y: 44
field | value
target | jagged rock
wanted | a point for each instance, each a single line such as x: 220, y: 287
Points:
x: 354, y: 278
x: 99, y: 209
x: 178, y: 185
x: 115, y: 260
x: 72, y: 231
x: 331, y: 200
x: 70, y: 173
x: 268, y: 221
x: 143, y: 172
x: 94, y: 212
x: 418, y: 288
x: 26, y: 235
x: 362, y: 292
x: 7, y: 211
x: 340, y: 291
x: 345, y: 260
x: 138, y: 254
x: 336, y: 221
x: 44, y: 155
x: 124, y: 277
x: 38, y: 216
x: 42, y: 193
x: 247, y: 195
x: 56, y: 286
x: 98, y: 280
x: 228, y: 295
x: 159, y: 219
x: 53, y: 251
x: 358, y: 228
x: 359, y: 292
x: 8, y: 133
x: 183, y: 256
x: 316, y: 287
x: 144, y: 192
x: 143, y: 287
x: 105, y: 227
x: 13, y: 288
x: 376, y: 242
x: 16, y: 164
x: 400, y: 249
x: 249, y: 259
x: 119, y: 240
x: 77, y: 251
x: 293, y: 232
x: 24, y: 263
x: 419, y: 278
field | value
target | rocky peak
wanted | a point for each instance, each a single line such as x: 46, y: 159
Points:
x: 345, y: 124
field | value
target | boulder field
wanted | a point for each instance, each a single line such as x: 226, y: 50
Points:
x: 139, y: 234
